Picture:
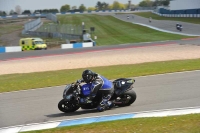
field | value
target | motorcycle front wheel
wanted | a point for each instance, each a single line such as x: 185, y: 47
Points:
x: 67, y: 107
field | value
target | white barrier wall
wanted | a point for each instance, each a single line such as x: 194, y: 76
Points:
x: 88, y: 44
x: 77, y: 45
x: 178, y: 15
x: 184, y: 4
x: 10, y: 49
x: 65, y: 46
x: 13, y: 49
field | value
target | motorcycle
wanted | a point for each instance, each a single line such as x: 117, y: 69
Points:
x: 179, y: 27
x: 124, y: 95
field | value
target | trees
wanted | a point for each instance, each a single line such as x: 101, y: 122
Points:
x: 52, y: 10
x: 161, y: 2
x: 45, y: 11
x: 116, y: 5
x: 131, y: 6
x: 18, y: 9
x: 91, y: 8
x: 82, y: 7
x: 105, y: 6
x: 146, y: 3
x: 26, y: 12
x: 37, y: 11
x: 165, y: 2
x: 102, y: 6
x: 11, y: 12
x: 3, y: 13
x: 99, y: 6
x: 65, y: 8
x: 74, y: 7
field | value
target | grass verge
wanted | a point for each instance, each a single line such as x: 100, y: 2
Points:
x: 157, y: 17
x: 15, y: 82
x: 112, y: 31
x: 9, y: 28
x: 173, y: 124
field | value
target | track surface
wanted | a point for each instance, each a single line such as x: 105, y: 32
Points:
x: 188, y: 28
x: 154, y: 92
x: 28, y: 54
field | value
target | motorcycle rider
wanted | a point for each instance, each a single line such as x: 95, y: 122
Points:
x: 178, y: 26
x: 98, y: 84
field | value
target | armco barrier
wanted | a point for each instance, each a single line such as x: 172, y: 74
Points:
x: 77, y: 45
x: 10, y: 49
x: 44, y: 15
x: 178, y: 15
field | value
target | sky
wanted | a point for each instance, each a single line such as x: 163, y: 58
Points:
x: 7, y: 5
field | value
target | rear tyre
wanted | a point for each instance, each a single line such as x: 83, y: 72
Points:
x: 67, y: 107
x: 128, y: 98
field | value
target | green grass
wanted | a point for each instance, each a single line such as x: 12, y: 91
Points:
x: 111, y: 31
x: 9, y: 28
x: 15, y: 82
x: 157, y: 17
x: 173, y: 124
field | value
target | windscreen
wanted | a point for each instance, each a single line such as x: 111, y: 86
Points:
x: 38, y: 42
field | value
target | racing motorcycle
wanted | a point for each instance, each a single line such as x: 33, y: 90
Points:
x: 179, y: 27
x: 124, y: 95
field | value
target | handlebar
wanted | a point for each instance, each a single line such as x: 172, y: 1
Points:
x: 78, y: 82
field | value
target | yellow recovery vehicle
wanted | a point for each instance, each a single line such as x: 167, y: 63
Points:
x: 32, y: 44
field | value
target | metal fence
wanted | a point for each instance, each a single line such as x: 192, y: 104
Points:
x: 52, y: 30
x: 52, y: 17
x: 32, y: 25
x: 61, y: 28
x: 54, y: 35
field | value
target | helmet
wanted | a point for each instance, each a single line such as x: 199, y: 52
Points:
x: 87, y: 75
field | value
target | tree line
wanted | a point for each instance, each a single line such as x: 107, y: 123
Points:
x: 99, y: 6
x: 149, y: 3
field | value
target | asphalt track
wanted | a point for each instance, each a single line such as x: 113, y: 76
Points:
x: 39, y: 53
x: 156, y: 92
x: 188, y: 28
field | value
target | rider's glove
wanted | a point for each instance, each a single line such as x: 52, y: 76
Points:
x: 79, y: 81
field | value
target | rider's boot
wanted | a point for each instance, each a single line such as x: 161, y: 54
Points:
x: 105, y: 103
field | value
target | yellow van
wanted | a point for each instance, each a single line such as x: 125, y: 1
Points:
x: 32, y: 44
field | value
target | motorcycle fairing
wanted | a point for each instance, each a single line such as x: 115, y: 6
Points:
x: 86, y: 89
x: 107, y: 84
x: 126, y: 84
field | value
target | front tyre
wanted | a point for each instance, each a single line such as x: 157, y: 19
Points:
x: 67, y: 106
x: 128, y: 98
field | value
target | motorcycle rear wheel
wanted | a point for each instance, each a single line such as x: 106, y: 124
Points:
x: 131, y: 94
x: 67, y: 107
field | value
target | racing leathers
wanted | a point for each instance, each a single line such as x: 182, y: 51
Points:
x: 101, y: 86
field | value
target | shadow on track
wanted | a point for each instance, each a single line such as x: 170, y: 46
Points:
x: 79, y: 112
